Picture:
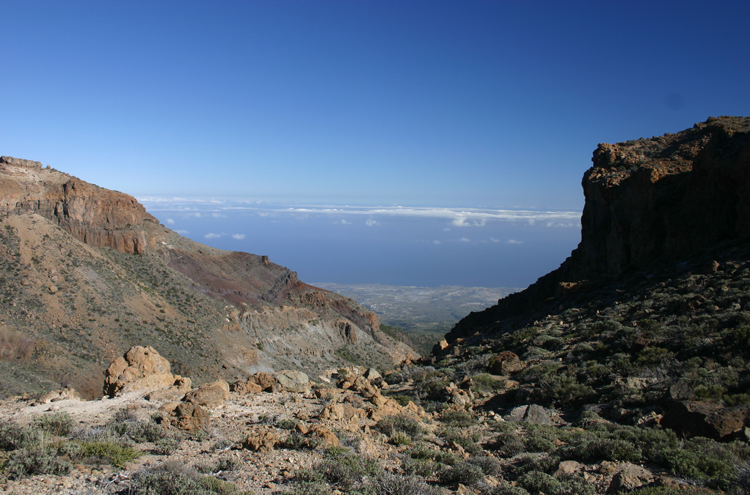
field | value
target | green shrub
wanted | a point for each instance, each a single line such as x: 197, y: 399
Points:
x: 287, y: 424
x: 538, y: 482
x: 464, y: 473
x: 508, y: 444
x: 489, y: 465
x: 400, y: 439
x: 458, y: 418
x: 421, y: 467
x: 487, y: 383
x: 297, y: 441
x: 108, y: 451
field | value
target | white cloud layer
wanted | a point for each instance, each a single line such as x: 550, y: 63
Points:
x: 211, y: 235
x: 469, y: 217
x: 457, y: 217
x: 239, y: 237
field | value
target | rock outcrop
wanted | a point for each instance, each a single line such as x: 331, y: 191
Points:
x: 94, y: 215
x: 141, y: 368
x: 647, y: 200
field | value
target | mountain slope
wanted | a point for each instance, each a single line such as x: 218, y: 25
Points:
x: 88, y: 273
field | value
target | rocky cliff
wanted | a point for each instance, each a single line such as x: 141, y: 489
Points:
x: 89, y: 273
x: 96, y: 216
x: 647, y: 201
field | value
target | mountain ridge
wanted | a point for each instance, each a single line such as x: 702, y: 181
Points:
x: 89, y: 273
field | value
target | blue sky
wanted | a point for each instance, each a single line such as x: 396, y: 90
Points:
x: 434, y: 103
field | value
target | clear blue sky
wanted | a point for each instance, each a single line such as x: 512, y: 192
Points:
x: 442, y: 103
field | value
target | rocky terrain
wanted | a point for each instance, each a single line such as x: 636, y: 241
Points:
x: 627, y: 370
x: 87, y: 273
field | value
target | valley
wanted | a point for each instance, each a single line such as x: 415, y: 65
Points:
x: 625, y: 370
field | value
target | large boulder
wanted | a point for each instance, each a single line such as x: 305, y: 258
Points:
x: 293, y: 381
x: 141, y: 368
x: 209, y: 394
x: 706, y: 419
x: 506, y: 363
x: 187, y: 416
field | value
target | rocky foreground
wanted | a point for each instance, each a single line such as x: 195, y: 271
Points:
x: 348, y: 432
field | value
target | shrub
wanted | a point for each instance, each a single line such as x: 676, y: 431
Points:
x: 489, y: 465
x: 297, y: 441
x: 35, y: 460
x: 286, y: 424
x: 458, y: 418
x: 468, y: 441
x: 58, y: 424
x: 539, y: 482
x: 108, y: 451
x: 174, y: 478
x: 403, y: 400
x: 508, y: 444
x: 14, y: 436
x: 487, y: 383
x: 464, y: 473
x: 400, y: 424
x: 348, y: 470
x: 421, y: 467
x: 395, y: 484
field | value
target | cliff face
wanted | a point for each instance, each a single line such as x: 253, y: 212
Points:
x: 649, y: 200
x: 664, y: 198
x: 70, y: 308
x: 99, y: 217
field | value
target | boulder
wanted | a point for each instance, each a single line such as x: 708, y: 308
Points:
x: 209, y: 394
x: 187, y: 416
x: 364, y: 387
x: 629, y: 478
x: 263, y: 440
x: 265, y: 381
x: 245, y: 387
x: 293, y: 381
x: 142, y: 368
x: 706, y: 419
x: 533, y: 414
x: 568, y: 468
x: 372, y: 374
x: 177, y: 391
x: 327, y: 436
x: 506, y: 363
x: 338, y: 412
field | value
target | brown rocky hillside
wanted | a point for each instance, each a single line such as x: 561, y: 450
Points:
x: 87, y: 273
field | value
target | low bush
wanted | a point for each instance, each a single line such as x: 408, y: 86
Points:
x: 58, y: 423
x: 464, y: 473
x: 35, y: 460
x: 347, y: 471
x: 395, y: 484
x: 400, y: 424
x: 458, y: 418
x: 108, y: 451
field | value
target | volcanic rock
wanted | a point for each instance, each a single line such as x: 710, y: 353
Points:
x: 142, y: 368
x: 209, y: 394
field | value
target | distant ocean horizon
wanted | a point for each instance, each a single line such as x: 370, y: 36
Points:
x: 390, y: 245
